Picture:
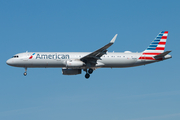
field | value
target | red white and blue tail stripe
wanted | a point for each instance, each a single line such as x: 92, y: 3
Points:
x: 156, y: 47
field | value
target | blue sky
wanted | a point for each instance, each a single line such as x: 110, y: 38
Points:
x: 148, y: 92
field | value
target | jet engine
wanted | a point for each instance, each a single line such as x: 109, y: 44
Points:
x: 71, y: 71
x: 74, y: 63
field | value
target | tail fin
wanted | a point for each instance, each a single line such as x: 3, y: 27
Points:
x: 156, y: 47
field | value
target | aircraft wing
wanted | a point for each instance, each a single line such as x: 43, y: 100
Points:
x: 94, y: 56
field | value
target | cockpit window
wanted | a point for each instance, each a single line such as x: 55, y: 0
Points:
x: 16, y: 56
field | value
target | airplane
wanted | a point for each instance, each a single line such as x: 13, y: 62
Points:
x: 72, y: 63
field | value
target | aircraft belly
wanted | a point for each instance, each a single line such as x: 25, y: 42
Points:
x: 140, y: 62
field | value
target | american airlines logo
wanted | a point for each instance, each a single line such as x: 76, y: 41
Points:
x: 52, y: 56
x: 31, y: 56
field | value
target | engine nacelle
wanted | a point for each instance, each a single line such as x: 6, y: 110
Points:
x: 71, y: 71
x: 74, y: 63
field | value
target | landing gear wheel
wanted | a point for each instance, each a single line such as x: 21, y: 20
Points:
x: 87, y: 76
x: 90, y: 71
x: 25, y: 73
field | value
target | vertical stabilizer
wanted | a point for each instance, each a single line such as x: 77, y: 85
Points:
x: 156, y: 47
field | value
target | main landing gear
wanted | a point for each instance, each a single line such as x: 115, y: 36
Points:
x: 25, y: 73
x: 88, y: 72
x: 87, y: 75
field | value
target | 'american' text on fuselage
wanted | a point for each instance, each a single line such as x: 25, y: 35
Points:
x: 52, y: 56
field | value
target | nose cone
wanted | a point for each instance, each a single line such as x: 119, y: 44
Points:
x: 9, y: 62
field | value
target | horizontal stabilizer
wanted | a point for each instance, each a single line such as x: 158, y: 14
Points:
x: 162, y: 55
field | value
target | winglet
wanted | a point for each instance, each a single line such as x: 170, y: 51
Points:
x: 114, y: 38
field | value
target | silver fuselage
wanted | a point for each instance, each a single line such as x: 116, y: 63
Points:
x: 59, y: 59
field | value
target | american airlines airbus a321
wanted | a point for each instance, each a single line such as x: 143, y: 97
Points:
x: 72, y: 63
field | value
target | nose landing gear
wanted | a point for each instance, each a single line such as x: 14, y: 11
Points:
x: 25, y: 73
